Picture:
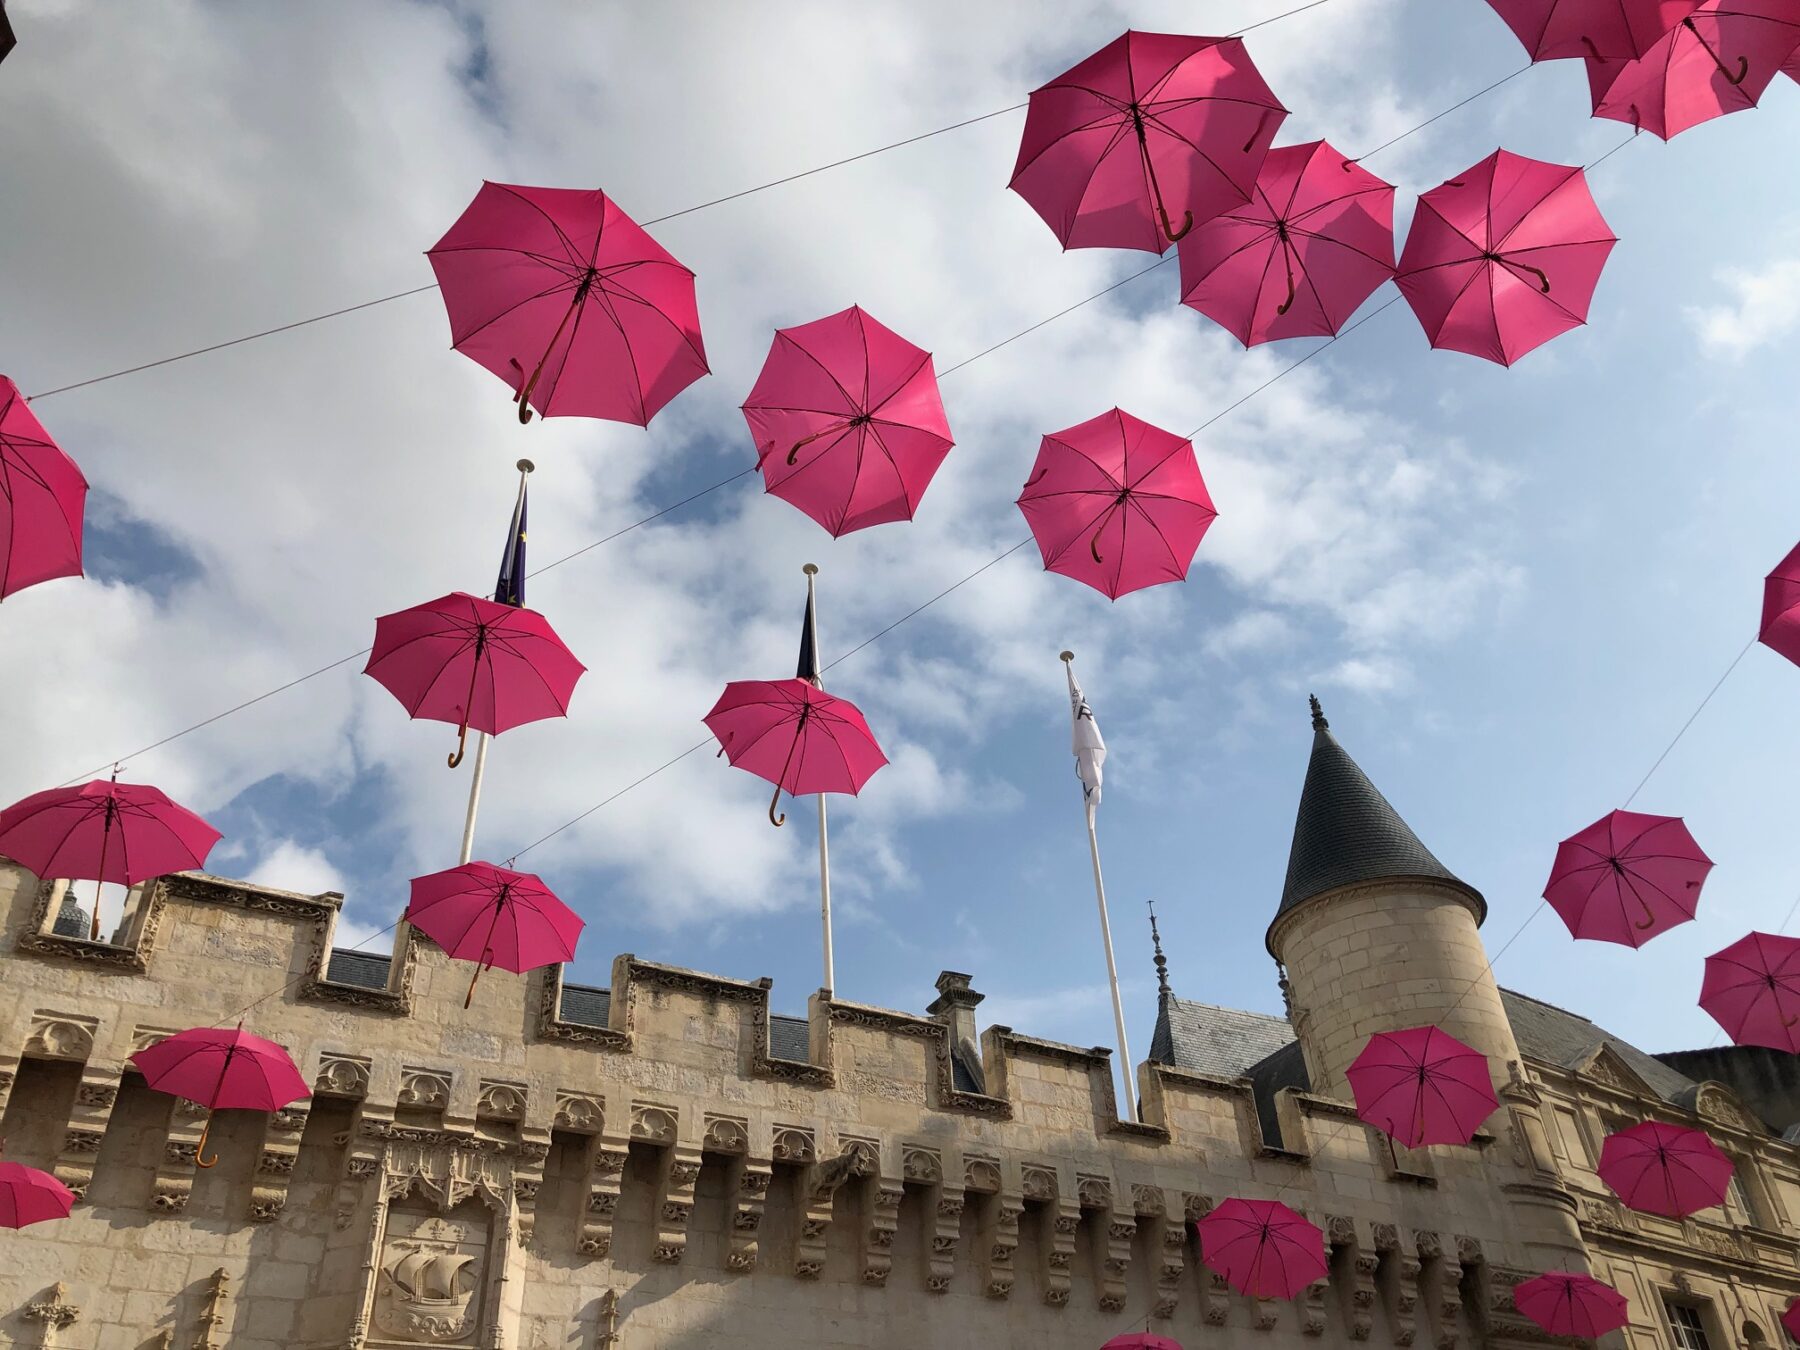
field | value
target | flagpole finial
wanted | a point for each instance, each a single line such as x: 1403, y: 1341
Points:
x: 1318, y: 714
x: 1068, y: 656
x: 525, y: 466
x: 1162, y: 964
x: 811, y: 569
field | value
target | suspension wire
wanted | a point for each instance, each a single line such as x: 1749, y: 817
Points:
x: 654, y: 220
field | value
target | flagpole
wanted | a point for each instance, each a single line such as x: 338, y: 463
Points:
x: 812, y: 571
x: 525, y: 467
x: 1112, y: 968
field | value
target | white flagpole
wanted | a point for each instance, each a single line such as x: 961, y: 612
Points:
x: 824, y: 838
x: 1112, y: 968
x: 525, y: 467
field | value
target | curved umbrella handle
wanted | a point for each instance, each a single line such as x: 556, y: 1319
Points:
x: 200, y: 1147
x: 1287, y: 304
x: 1174, y: 235
x: 1538, y: 272
x: 776, y: 820
x: 1094, y: 547
x: 1786, y: 1022
x: 800, y: 445
x: 462, y: 740
x: 1039, y: 474
x: 524, y: 388
x: 469, y: 997
x: 1649, y: 919
x: 1743, y: 71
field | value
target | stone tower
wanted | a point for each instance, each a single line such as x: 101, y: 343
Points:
x: 1375, y: 934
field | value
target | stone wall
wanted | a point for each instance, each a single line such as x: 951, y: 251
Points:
x: 502, y: 1176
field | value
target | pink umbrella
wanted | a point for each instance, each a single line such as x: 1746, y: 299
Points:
x: 1663, y: 1169
x: 1613, y: 30
x: 1262, y: 1248
x: 1117, y: 503
x: 104, y: 831
x: 1505, y: 257
x: 1627, y: 877
x: 222, y: 1070
x: 1791, y: 1319
x: 1315, y: 238
x: 493, y: 917
x: 28, y: 1196
x: 1150, y: 125
x: 1422, y: 1086
x: 42, y: 496
x: 1717, y: 60
x: 848, y: 422
x: 1141, y: 1340
x: 1781, y: 607
x: 796, y: 736
x: 1571, y: 1305
x: 559, y: 287
x: 473, y: 663
x: 1752, y: 989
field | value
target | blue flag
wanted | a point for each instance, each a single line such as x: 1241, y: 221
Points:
x: 510, y: 588
x: 809, y: 647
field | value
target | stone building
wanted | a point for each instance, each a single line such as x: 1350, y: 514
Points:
x: 664, y: 1162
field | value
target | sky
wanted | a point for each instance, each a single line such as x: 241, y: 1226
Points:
x: 1510, y: 588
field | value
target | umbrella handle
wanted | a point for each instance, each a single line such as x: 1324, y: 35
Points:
x: 1649, y: 919
x: 776, y: 820
x: 1743, y: 71
x: 469, y: 997
x: 200, y: 1147
x: 1538, y: 272
x: 1187, y: 222
x: 1094, y: 547
x: 524, y: 389
x: 462, y: 740
x: 800, y: 445
x: 1287, y: 304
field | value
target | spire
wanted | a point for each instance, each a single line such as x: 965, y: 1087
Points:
x: 1163, y: 992
x: 1346, y: 831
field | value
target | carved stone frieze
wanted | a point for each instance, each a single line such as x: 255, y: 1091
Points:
x: 425, y: 1089
x: 981, y: 1175
x: 500, y: 1101
x: 56, y: 1035
x: 726, y: 1134
x: 652, y: 1123
x: 580, y: 1113
x: 920, y: 1164
x: 793, y: 1144
x: 342, y: 1076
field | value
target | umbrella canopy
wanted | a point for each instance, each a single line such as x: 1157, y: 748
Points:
x: 1791, y: 1319
x: 493, y: 917
x: 104, y: 831
x: 28, y: 1196
x: 1311, y: 244
x: 1571, y: 1305
x: 796, y: 736
x: 1422, y: 1086
x: 1612, y: 30
x: 1781, y: 607
x: 567, y: 299
x: 1752, y: 989
x: 1719, y: 59
x: 1627, y: 877
x: 1663, y: 1169
x: 473, y: 663
x: 42, y: 496
x: 1141, y: 1340
x: 1117, y: 503
x: 1151, y: 135
x: 1262, y: 1248
x: 1505, y: 257
x: 222, y: 1070
x: 848, y: 422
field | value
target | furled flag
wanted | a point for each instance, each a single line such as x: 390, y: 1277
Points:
x: 510, y: 588
x: 1089, y: 746
x: 7, y: 40
x: 808, y: 669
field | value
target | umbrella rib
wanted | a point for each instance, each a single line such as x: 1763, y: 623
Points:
x: 459, y: 339
x: 551, y: 221
x: 898, y: 389
x: 850, y: 399
x: 610, y: 285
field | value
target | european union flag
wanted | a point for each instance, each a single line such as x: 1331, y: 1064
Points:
x: 809, y: 646
x: 510, y: 588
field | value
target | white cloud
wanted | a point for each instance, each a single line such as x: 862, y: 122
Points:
x: 294, y: 867
x: 1763, y: 305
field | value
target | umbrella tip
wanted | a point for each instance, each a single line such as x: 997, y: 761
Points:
x: 1318, y: 714
x: 525, y: 466
x: 1068, y: 656
x: 811, y: 569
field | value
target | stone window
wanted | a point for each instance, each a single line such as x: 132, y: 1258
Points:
x: 1687, y: 1327
x: 1737, y: 1198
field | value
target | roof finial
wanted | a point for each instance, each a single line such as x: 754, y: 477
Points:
x: 1319, y: 722
x: 1162, y: 965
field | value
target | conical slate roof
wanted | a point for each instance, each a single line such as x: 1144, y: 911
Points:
x: 1347, y: 832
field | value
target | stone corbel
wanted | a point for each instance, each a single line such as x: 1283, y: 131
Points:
x: 1169, y: 1243
x: 9, y: 1073
x: 997, y: 1229
x: 1341, y: 1232
x: 748, y: 1185
x: 881, y: 1223
x: 1441, y: 1287
x: 1215, y: 1297
x: 275, y: 1165
x: 88, y: 1118
x: 680, y: 1170
x: 528, y: 1179
x: 175, y: 1168
x: 1112, y: 1250
x: 362, y: 1167
x: 1062, y: 1220
x: 942, y: 1231
x: 1312, y: 1307
x: 1399, y: 1281
x: 606, y: 1171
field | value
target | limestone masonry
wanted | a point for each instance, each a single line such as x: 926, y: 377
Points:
x: 664, y: 1163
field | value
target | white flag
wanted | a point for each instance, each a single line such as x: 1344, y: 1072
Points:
x: 1090, y: 748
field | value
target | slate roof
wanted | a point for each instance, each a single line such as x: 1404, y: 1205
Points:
x: 365, y: 970
x: 1557, y: 1036
x: 1345, y: 831
x: 789, y: 1039
x: 586, y: 1005
x: 1223, y: 1042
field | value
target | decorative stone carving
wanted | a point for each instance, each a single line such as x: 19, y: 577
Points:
x: 748, y: 1181
x: 1093, y: 1192
x: 342, y: 1076
x: 1312, y: 1308
x: 53, y: 1312
x: 606, y: 1168
x: 1113, y: 1258
x: 60, y: 1035
x: 1362, y: 1294
x: 212, y: 1313
x: 1062, y: 1222
x: 681, y: 1169
x: 726, y: 1134
x: 981, y: 1175
x: 998, y: 1241
x: 922, y: 1165
x: 424, y: 1089
x: 1038, y: 1183
x: 1147, y: 1200
x: 96, y: 1094
x: 1401, y: 1293
x: 793, y: 1144
x: 431, y: 1281
x: 580, y: 1113
x: 652, y: 1123
x: 882, y: 1221
x: 500, y: 1101
x: 943, y: 1234
x: 1171, y: 1267
x: 1216, y: 1298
